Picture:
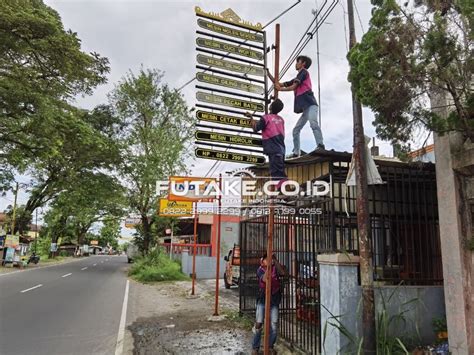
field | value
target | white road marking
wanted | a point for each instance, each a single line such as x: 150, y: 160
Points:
x: 123, y: 318
x: 84, y: 268
x: 94, y: 265
x: 67, y: 275
x: 31, y: 288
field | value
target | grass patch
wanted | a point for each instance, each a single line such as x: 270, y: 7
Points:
x: 155, y: 267
x: 241, y: 320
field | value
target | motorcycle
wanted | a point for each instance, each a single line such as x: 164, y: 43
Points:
x: 34, y: 258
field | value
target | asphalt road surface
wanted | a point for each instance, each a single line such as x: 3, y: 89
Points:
x: 72, y: 308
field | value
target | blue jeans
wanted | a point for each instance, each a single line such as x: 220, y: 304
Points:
x: 311, y: 115
x: 259, y: 317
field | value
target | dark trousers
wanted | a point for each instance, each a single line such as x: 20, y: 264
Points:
x: 277, y: 168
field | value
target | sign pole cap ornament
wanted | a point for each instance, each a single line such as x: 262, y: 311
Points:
x: 229, y: 16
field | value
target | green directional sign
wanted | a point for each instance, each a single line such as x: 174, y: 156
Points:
x: 226, y: 156
x: 223, y: 119
x: 229, y: 101
x: 214, y: 27
x: 228, y: 65
x: 229, y: 83
x: 228, y: 138
x: 229, y: 48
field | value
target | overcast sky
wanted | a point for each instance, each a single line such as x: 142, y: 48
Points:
x: 161, y: 34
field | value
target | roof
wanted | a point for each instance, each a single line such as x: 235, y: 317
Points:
x: 319, y: 156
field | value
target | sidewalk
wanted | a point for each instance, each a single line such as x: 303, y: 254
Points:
x: 163, y: 318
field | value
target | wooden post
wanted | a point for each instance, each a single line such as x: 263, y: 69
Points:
x: 363, y: 225
x: 218, y: 251
x: 271, y: 215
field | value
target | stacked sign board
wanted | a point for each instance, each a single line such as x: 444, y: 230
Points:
x: 230, y: 81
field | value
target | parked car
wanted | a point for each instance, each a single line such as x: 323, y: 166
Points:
x: 132, y: 252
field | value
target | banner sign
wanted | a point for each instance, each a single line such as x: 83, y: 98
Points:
x: 229, y: 101
x: 12, y: 241
x: 229, y: 48
x: 9, y: 255
x: 223, y: 119
x: 228, y: 65
x: 232, y: 32
x: 189, y: 188
x: 229, y: 83
x: 229, y: 156
x: 175, y: 208
x: 131, y: 222
x: 228, y: 138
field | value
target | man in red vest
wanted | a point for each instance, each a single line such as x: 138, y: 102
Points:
x: 277, y: 270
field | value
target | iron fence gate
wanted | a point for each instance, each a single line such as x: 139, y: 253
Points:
x: 297, y: 237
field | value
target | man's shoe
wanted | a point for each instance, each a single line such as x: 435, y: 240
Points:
x: 292, y: 156
x: 320, y: 147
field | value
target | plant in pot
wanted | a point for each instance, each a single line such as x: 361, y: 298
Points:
x: 440, y: 328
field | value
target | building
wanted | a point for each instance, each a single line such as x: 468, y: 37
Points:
x: 405, y: 243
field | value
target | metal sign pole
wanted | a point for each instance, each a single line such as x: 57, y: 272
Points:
x: 194, y: 248
x: 218, y: 251
x: 271, y: 215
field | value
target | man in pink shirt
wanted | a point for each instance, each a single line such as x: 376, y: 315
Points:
x: 305, y: 103
x: 273, y: 140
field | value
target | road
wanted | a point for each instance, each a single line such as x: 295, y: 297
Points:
x: 71, y: 308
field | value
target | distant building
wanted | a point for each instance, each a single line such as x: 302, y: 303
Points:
x: 425, y: 154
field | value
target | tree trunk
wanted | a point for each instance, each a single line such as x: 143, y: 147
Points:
x: 146, y: 234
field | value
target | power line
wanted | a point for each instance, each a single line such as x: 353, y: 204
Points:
x: 358, y: 16
x: 345, y: 27
x: 307, y: 36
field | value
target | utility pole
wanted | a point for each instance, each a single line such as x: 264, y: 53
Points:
x: 363, y: 226
x: 218, y: 251
x: 271, y: 216
x: 36, y: 230
x: 14, y: 211
x: 194, y: 248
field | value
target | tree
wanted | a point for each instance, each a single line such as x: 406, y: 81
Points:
x: 110, y: 232
x: 85, y: 143
x: 408, y: 52
x: 42, y: 67
x: 91, y: 199
x: 158, y: 130
x: 22, y: 219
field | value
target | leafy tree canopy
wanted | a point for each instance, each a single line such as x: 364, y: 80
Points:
x: 158, y: 128
x: 42, y: 67
x: 408, y: 52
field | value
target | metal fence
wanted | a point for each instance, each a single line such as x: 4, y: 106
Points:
x: 295, y: 243
x: 405, y: 242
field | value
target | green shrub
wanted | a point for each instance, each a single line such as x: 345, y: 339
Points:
x: 156, y: 266
x: 63, y: 253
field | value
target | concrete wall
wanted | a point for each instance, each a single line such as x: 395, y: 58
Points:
x: 340, y: 297
x: 205, y: 266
